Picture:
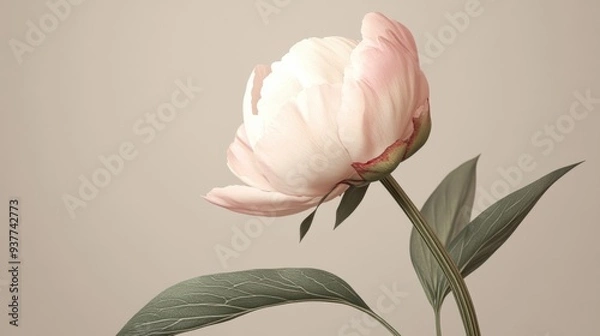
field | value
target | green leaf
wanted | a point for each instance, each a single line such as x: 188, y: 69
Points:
x: 480, y: 239
x: 350, y: 201
x: 447, y: 211
x: 213, y: 299
x: 476, y: 243
x: 307, y: 223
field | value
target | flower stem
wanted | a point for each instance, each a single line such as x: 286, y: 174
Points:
x: 456, y: 281
x: 438, y: 322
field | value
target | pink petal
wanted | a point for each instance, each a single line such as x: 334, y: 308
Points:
x: 383, y: 89
x: 252, y: 121
x: 377, y: 25
x: 420, y: 130
x: 252, y: 201
x: 300, y: 152
x: 382, y: 165
x: 241, y: 162
x: 317, y: 61
x: 310, y: 62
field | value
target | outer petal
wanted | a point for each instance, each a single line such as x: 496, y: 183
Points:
x: 386, y: 162
x: 377, y: 25
x: 420, y: 130
x: 241, y: 162
x: 383, y: 89
x: 252, y: 121
x: 252, y: 201
x: 382, y: 165
x: 300, y: 152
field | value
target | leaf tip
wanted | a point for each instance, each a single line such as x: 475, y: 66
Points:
x: 301, y: 237
x: 338, y: 220
x: 475, y: 159
x: 570, y: 167
x: 306, y: 223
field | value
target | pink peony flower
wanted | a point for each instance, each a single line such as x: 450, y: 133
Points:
x: 333, y: 111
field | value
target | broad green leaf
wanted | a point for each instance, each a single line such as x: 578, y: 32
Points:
x: 213, y: 299
x: 488, y: 231
x: 447, y: 211
x: 350, y: 201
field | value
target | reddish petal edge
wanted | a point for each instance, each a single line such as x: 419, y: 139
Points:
x: 382, y: 165
x: 421, y: 131
x: 397, y: 152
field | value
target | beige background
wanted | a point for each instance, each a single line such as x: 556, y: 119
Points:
x: 497, y: 83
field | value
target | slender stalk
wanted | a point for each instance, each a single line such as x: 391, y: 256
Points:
x: 438, y: 322
x: 456, y: 281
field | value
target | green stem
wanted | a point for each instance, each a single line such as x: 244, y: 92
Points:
x: 456, y: 281
x: 438, y: 322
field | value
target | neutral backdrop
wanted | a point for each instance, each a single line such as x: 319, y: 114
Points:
x: 499, y: 84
